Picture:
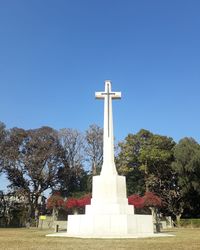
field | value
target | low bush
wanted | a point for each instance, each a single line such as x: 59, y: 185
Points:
x: 190, y: 223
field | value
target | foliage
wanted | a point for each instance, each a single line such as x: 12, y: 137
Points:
x: 81, y: 202
x: 13, y: 210
x: 148, y: 200
x: 187, y: 167
x: 77, y: 205
x: 94, y: 147
x: 151, y: 200
x: 155, y: 163
x: 136, y: 200
x: 71, y: 174
x: 56, y: 205
x: 145, y: 159
x: 85, y: 200
x: 72, y: 142
x: 40, y: 159
x: 55, y: 201
x: 148, y: 157
x: 3, y: 137
x: 72, y: 203
x: 193, y: 223
x: 32, y: 160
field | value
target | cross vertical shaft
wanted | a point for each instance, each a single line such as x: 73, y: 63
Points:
x: 108, y: 166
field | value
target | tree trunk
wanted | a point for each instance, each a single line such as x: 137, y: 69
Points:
x: 156, y: 220
x: 36, y: 210
x: 75, y: 211
x: 146, y: 177
x: 94, y: 169
x: 55, y: 214
x: 178, y: 218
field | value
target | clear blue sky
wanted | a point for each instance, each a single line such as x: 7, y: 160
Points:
x: 54, y: 54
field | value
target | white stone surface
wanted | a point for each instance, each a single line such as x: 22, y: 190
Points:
x: 128, y: 236
x: 109, y: 225
x: 108, y: 167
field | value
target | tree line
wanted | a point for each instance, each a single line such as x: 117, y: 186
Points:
x: 43, y: 159
x: 171, y: 170
x: 64, y: 161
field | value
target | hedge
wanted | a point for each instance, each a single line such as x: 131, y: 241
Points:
x: 190, y: 223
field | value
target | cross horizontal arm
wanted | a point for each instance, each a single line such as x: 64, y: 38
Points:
x: 116, y: 95
x: 99, y: 95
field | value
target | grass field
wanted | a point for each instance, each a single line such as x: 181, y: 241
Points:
x: 25, y: 239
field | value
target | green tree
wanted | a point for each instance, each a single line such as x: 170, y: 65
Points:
x: 155, y: 156
x: 145, y: 159
x: 187, y: 167
x: 128, y: 162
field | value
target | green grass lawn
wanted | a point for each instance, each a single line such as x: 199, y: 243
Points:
x: 25, y: 239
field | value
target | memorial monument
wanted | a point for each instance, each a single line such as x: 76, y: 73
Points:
x: 109, y: 215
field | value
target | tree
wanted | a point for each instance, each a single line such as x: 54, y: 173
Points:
x: 145, y: 159
x: 187, y: 167
x: 32, y: 161
x: 128, y: 163
x: 54, y: 203
x: 155, y: 157
x: 3, y: 135
x: 71, y: 175
x: 13, y: 209
x: 94, y: 147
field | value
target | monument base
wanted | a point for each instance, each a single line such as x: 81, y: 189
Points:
x: 109, y: 214
x: 109, y: 225
x: 155, y: 235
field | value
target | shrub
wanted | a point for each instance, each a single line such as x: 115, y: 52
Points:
x: 136, y: 201
x: 148, y: 200
x: 55, y: 201
x: 78, y: 205
x: 71, y: 203
x: 83, y: 201
x: 192, y: 223
x: 151, y: 200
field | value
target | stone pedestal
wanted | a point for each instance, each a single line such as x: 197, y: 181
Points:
x: 109, y: 196
x: 110, y: 225
x: 109, y: 214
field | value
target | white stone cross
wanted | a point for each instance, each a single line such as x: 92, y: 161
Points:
x: 108, y: 148
x: 109, y: 215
